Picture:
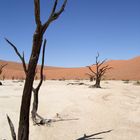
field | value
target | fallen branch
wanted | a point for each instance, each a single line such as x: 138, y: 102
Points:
x: 89, y: 136
x: 77, y: 84
x: 43, y: 121
x: 13, y: 134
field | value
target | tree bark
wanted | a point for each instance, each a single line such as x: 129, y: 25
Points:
x: 36, y: 90
x: 35, y: 106
x: 23, y: 130
x: 97, y: 84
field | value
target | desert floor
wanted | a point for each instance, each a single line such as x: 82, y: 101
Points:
x: 116, y: 107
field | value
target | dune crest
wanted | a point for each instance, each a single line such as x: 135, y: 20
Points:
x: 122, y: 70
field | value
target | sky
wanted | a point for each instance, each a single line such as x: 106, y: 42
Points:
x: 110, y: 27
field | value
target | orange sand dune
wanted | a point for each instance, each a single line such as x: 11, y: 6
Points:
x: 122, y: 70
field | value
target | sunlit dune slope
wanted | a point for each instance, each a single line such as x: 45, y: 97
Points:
x: 121, y: 70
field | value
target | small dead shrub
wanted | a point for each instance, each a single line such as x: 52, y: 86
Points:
x: 126, y: 81
x: 137, y: 83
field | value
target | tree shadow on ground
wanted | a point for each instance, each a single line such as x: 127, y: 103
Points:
x: 91, y: 137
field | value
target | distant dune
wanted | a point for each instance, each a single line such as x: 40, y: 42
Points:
x: 122, y: 70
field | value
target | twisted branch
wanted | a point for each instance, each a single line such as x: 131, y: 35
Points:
x: 19, y: 55
x: 54, y: 15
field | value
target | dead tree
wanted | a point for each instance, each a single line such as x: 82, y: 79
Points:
x: 101, y: 69
x: 23, y: 130
x: 1, y: 69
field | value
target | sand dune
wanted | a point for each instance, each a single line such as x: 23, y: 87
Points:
x: 122, y: 70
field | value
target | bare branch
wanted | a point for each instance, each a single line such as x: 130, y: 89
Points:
x: 37, y: 12
x: 14, y: 47
x: 19, y: 55
x: 42, y: 65
x: 54, y: 7
x: 93, y: 64
x: 24, y: 64
x: 40, y: 117
x: 98, y: 54
x: 97, y: 61
x: 91, y: 70
x: 89, y: 74
x: 89, y: 136
x: 102, y: 62
x: 36, y: 90
x: 2, y: 66
x: 13, y: 134
x: 104, y: 69
x: 54, y: 15
x: 57, y: 14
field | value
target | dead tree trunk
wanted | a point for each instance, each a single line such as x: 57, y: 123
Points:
x: 97, y: 83
x: 23, y: 130
x: 99, y: 72
x: 36, y: 90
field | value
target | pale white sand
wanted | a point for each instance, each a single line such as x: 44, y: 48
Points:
x: 116, y: 106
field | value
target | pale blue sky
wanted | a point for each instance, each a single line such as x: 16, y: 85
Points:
x: 111, y: 27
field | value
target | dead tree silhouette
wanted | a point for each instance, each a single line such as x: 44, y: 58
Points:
x: 35, y: 90
x: 1, y: 69
x: 99, y: 72
x: 23, y: 129
x: 90, y: 137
